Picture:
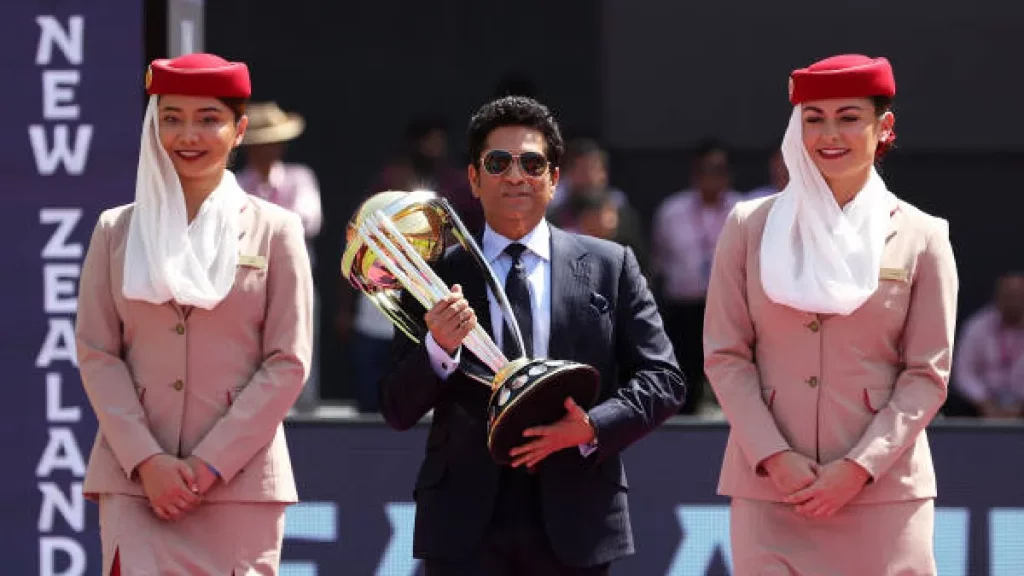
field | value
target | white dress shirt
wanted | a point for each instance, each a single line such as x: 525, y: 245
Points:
x: 537, y: 261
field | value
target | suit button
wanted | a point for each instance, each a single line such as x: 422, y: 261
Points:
x: 812, y: 381
x: 178, y: 385
x: 814, y: 326
x: 180, y: 329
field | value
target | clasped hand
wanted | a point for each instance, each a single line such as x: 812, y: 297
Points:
x: 815, y: 491
x: 174, y: 486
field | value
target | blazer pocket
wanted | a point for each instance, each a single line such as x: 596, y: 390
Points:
x: 768, y: 395
x: 876, y: 398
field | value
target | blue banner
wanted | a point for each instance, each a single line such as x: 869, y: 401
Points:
x: 357, y: 511
x: 68, y: 148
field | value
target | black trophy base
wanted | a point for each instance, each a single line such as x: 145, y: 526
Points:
x: 532, y: 393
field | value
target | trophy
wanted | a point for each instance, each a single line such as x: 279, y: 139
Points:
x: 390, y: 242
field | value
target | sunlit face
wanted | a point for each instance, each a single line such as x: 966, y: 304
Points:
x: 198, y: 134
x: 513, y: 202
x: 842, y: 134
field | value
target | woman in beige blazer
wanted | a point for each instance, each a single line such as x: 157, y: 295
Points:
x: 193, y: 340
x: 828, y: 337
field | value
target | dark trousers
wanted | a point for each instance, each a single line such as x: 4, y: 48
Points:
x: 684, y: 323
x: 516, y: 543
x: 370, y: 357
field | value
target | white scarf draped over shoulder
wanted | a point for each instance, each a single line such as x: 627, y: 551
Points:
x: 816, y: 256
x: 166, y: 257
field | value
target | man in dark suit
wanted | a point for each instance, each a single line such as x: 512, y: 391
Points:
x: 560, y: 508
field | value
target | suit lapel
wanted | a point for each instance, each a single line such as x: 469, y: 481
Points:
x: 570, y: 283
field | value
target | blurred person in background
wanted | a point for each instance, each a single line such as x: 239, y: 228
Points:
x: 989, y: 367
x: 194, y: 338
x: 595, y: 213
x: 585, y: 170
x: 292, y: 186
x: 266, y: 175
x: 830, y: 352
x: 361, y: 327
x: 685, y: 231
x: 427, y: 151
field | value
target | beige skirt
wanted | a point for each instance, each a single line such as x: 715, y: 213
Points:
x: 216, y: 539
x: 890, y: 539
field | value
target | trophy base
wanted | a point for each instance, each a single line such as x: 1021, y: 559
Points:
x: 532, y: 393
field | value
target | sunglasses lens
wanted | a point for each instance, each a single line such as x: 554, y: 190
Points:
x: 496, y: 162
x: 533, y: 164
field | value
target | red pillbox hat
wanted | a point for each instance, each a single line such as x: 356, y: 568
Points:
x: 844, y: 76
x: 198, y: 75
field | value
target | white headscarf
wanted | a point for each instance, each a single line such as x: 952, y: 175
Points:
x: 816, y: 256
x: 166, y: 258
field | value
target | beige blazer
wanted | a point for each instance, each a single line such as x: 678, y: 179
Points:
x: 862, y: 386
x: 213, y: 383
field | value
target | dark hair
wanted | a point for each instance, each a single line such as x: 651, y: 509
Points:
x: 237, y: 106
x: 883, y: 104
x: 514, y: 111
x: 595, y: 198
x: 708, y: 146
x: 580, y: 148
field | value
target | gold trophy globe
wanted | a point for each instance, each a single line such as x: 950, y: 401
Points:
x: 391, y: 241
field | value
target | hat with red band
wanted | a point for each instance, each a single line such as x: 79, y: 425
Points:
x: 843, y: 76
x: 198, y: 75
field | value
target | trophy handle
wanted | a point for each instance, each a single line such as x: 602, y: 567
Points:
x: 465, y: 238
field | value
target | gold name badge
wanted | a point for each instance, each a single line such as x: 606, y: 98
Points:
x: 252, y: 261
x: 896, y: 274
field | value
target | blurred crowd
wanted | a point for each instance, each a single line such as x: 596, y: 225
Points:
x: 675, y: 250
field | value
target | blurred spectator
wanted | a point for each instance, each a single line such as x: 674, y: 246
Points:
x: 361, y: 327
x: 595, y: 213
x: 989, y: 367
x: 585, y: 170
x: 289, y: 185
x: 686, y: 229
x: 266, y: 175
x: 427, y: 150
x: 584, y: 167
x: 778, y: 178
